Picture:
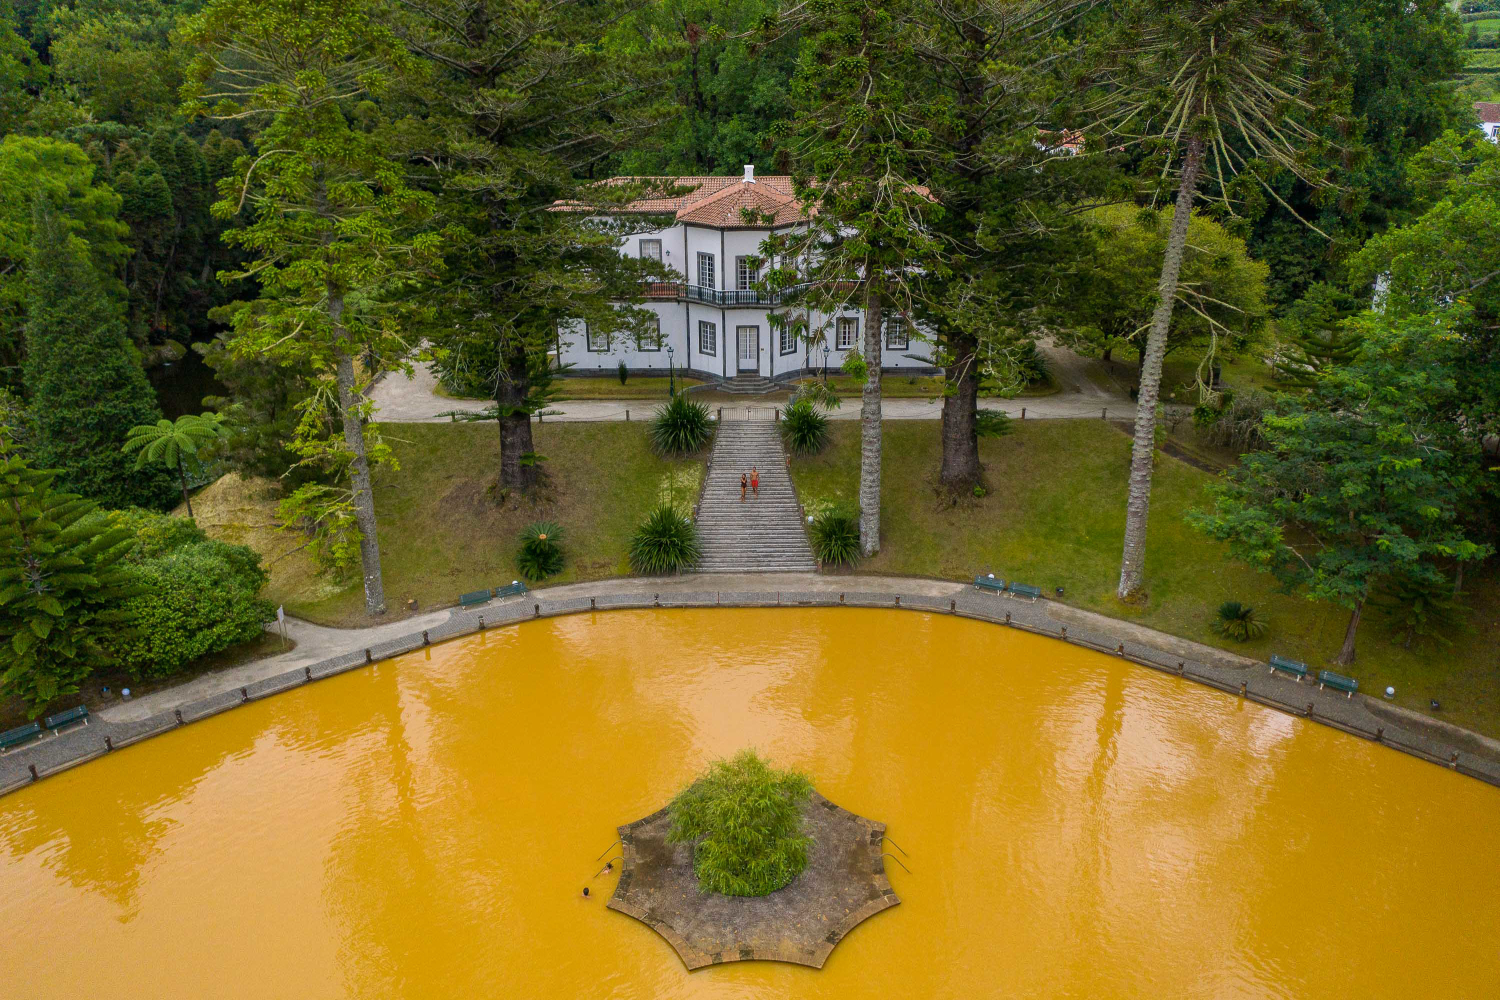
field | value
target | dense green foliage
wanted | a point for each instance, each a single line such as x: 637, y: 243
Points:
x: 541, y: 552
x: 666, y: 542
x: 744, y: 820
x: 82, y: 380
x: 1221, y: 288
x: 193, y: 596
x: 1361, y: 483
x: 834, y: 535
x: 803, y: 429
x: 1238, y: 621
x: 61, y: 583
x: 681, y: 426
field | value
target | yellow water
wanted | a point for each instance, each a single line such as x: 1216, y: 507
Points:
x: 1077, y: 827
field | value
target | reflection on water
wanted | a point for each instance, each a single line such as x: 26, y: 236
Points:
x: 1076, y: 827
x: 181, y: 385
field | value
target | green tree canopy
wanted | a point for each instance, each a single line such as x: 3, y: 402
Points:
x: 61, y: 583
x: 1365, y: 480
x: 744, y: 820
x: 1221, y: 291
x: 84, y: 387
x: 61, y: 173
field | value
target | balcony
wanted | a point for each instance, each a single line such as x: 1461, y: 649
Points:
x: 712, y: 296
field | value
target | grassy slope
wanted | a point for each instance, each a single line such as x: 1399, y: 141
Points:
x: 442, y: 532
x: 1055, y: 517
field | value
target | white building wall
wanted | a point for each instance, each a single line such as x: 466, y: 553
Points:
x: 679, y: 320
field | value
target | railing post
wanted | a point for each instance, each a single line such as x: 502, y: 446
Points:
x: 1023, y: 413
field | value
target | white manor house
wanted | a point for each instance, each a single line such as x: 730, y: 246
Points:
x: 712, y: 317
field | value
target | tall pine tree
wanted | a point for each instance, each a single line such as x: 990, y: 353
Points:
x: 83, y: 384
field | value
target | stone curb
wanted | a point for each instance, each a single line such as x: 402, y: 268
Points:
x: 31, y: 762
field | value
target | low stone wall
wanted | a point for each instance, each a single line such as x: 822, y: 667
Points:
x: 34, y: 761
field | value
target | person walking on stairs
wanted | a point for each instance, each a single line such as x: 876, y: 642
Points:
x: 743, y: 483
x: 754, y: 480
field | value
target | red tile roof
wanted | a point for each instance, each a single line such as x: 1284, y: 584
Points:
x: 721, y: 202
x: 1488, y: 111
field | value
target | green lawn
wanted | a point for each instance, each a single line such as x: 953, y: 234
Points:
x: 1482, y: 57
x: 891, y: 386
x: 1055, y: 517
x: 638, y: 387
x: 443, y: 531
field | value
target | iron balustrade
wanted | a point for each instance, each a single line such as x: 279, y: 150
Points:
x: 717, y: 296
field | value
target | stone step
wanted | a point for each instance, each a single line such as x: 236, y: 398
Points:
x: 763, y: 532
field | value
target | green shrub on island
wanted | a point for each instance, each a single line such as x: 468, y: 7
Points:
x: 834, y: 534
x: 681, y: 427
x: 803, y: 428
x: 193, y: 596
x: 744, y: 820
x: 541, y: 552
x: 666, y: 542
x: 1238, y: 622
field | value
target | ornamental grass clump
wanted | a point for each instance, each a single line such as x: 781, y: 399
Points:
x: 803, y: 428
x: 666, y: 542
x: 541, y: 553
x: 744, y: 820
x: 835, y: 537
x: 681, y: 427
x: 1238, y: 622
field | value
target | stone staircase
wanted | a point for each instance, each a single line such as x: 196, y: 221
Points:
x: 762, y: 534
x: 749, y: 385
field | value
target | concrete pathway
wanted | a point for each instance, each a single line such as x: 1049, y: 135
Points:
x: 1235, y: 675
x: 399, y: 399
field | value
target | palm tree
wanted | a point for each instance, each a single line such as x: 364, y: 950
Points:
x: 1229, y: 92
x: 172, y: 444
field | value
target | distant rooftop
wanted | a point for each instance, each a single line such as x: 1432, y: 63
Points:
x: 1488, y: 111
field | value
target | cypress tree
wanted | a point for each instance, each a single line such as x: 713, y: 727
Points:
x: 83, y: 383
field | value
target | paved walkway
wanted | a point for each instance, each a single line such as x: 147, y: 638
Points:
x: 414, y: 400
x: 761, y: 532
x: 206, y: 696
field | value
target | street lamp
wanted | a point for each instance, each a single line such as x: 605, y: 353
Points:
x: 825, y: 364
x: 671, y: 374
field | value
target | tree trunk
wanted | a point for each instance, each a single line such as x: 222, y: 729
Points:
x: 960, y: 434
x: 869, y: 428
x: 1346, y: 654
x: 182, y: 477
x: 512, y: 385
x: 1138, y: 506
x: 359, y: 468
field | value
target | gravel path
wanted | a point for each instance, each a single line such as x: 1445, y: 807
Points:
x: 399, y: 399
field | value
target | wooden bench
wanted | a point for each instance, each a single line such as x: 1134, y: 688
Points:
x: 516, y: 587
x: 472, y: 598
x: 1296, y: 668
x: 72, y: 715
x: 989, y: 583
x: 1024, y: 590
x: 20, y: 734
x: 1338, y: 682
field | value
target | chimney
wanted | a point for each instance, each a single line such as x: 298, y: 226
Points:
x: 749, y: 173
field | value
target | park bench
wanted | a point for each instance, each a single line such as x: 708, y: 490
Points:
x: 1296, y: 668
x: 72, y: 715
x: 1338, y: 682
x: 472, y: 598
x: 20, y: 734
x: 1025, y: 590
x: 989, y: 583
x: 516, y: 587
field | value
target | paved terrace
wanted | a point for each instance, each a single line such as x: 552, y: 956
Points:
x: 325, y: 652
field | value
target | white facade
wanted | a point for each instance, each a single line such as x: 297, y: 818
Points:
x: 717, y: 324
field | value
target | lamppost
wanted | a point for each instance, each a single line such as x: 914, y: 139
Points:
x: 825, y: 364
x: 671, y: 374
